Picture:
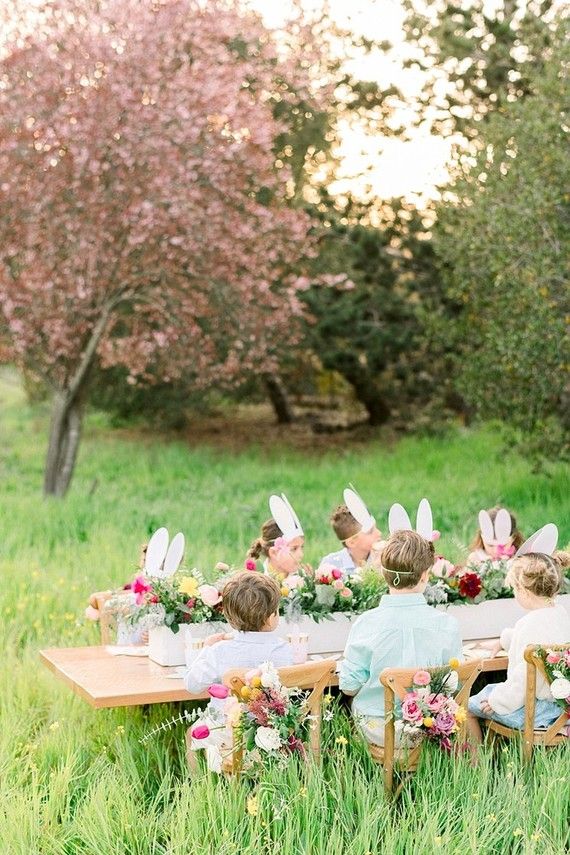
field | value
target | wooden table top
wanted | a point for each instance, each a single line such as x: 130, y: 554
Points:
x: 106, y: 681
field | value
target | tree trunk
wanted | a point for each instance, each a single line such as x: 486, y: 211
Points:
x: 368, y: 395
x: 277, y: 394
x: 65, y: 433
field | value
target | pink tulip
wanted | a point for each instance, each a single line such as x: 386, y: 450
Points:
x: 201, y: 731
x: 336, y: 574
x: 218, y: 690
x: 209, y: 595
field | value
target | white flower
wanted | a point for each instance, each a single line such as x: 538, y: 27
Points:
x: 452, y: 681
x: 267, y: 739
x: 269, y: 676
x: 328, y: 715
x: 214, y: 759
x: 560, y: 688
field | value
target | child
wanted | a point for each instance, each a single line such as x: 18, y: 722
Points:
x: 535, y: 579
x: 497, y: 537
x: 251, y: 603
x: 356, y: 529
x: 403, y: 632
x: 281, y: 542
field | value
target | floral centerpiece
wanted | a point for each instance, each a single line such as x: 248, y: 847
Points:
x: 269, y: 722
x: 557, y: 666
x: 180, y: 599
x: 429, y: 709
x: 452, y: 583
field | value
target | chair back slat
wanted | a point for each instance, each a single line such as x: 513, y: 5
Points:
x: 535, y: 666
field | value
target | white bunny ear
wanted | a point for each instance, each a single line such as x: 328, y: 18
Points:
x: 424, y: 520
x: 284, y: 516
x: 358, y: 510
x: 156, y: 552
x: 486, y: 526
x: 300, y: 532
x: 544, y: 540
x: 174, y: 555
x: 398, y: 519
x: 502, y: 526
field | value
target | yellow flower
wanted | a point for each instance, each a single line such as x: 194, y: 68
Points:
x: 252, y: 806
x: 284, y: 591
x: 437, y: 840
x: 327, y: 699
x: 341, y: 740
x: 255, y: 682
x: 188, y: 585
x: 518, y: 832
x: 536, y: 836
x: 460, y: 715
x: 245, y: 692
x: 491, y: 816
x: 54, y: 725
x: 428, y: 721
x: 454, y: 663
x: 303, y: 792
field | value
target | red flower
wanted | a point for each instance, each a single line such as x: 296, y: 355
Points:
x: 470, y: 585
x: 250, y: 564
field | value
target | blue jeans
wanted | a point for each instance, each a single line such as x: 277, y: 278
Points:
x: 546, y: 712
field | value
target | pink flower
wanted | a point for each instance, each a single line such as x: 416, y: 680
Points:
x: 140, y: 587
x: 410, y: 709
x: 435, y: 703
x: 445, y: 722
x: 435, y: 535
x: 422, y: 678
x: 503, y: 551
x: 553, y: 657
x: 250, y: 564
x: 346, y: 593
x: 293, y: 581
x: 338, y: 584
x: 209, y: 595
x: 443, y: 568
x: 567, y: 658
x: 201, y: 731
x: 218, y: 690
x: 336, y: 573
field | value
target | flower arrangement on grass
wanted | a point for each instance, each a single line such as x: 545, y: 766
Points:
x: 180, y: 599
x: 429, y: 709
x: 557, y: 666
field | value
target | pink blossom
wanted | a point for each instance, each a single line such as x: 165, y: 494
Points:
x: 250, y: 564
x: 201, y: 731
x: 435, y: 703
x: 503, y: 551
x: 346, y: 593
x: 553, y: 657
x: 293, y: 581
x: 140, y: 588
x: 422, y: 678
x: 445, y: 722
x: 567, y: 658
x: 218, y: 690
x: 443, y: 568
x: 209, y: 595
x: 410, y: 710
x: 435, y: 535
x: 336, y: 573
x: 338, y: 584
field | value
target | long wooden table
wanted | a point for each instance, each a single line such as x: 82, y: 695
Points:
x: 107, y: 681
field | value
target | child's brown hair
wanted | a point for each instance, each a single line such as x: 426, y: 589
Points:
x: 343, y: 523
x: 537, y: 573
x: 405, y: 558
x: 270, y: 531
x: 518, y: 539
x: 249, y: 600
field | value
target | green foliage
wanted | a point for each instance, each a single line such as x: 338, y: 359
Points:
x: 505, y: 247
x: 78, y: 780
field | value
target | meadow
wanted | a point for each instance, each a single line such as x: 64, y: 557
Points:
x: 77, y: 780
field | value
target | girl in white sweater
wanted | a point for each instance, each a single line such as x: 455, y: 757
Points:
x: 536, y: 579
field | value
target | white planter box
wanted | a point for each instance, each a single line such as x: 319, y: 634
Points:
x: 169, y: 648
x: 484, y: 620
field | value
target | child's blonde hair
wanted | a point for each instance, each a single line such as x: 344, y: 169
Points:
x: 536, y: 573
x: 343, y: 523
x: 249, y: 600
x: 405, y: 558
x: 270, y: 531
x: 516, y: 535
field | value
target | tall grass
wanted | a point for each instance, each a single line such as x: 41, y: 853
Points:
x: 77, y: 780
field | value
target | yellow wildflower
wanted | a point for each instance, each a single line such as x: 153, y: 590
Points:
x: 454, y: 663
x: 303, y: 792
x: 255, y: 682
x: 518, y: 832
x: 341, y: 740
x: 327, y: 699
x: 428, y: 721
x: 252, y: 806
x: 536, y: 836
x: 188, y: 585
x: 284, y: 591
x: 54, y: 725
x: 460, y: 715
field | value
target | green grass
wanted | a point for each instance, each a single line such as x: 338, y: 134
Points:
x: 76, y: 780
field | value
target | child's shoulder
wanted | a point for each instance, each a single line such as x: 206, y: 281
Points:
x: 339, y: 558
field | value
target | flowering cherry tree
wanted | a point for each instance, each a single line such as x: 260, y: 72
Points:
x: 142, y: 220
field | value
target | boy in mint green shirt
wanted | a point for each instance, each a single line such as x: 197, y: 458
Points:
x: 403, y: 632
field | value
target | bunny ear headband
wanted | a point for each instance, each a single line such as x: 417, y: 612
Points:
x: 358, y: 509
x: 497, y: 533
x: 544, y: 541
x: 398, y: 520
x: 162, y: 560
x: 285, y: 517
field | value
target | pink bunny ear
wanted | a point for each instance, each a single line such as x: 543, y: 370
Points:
x: 502, y: 526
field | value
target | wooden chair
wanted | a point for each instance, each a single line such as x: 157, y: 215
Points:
x: 98, y: 600
x: 396, y: 682
x: 531, y: 737
x: 311, y: 675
